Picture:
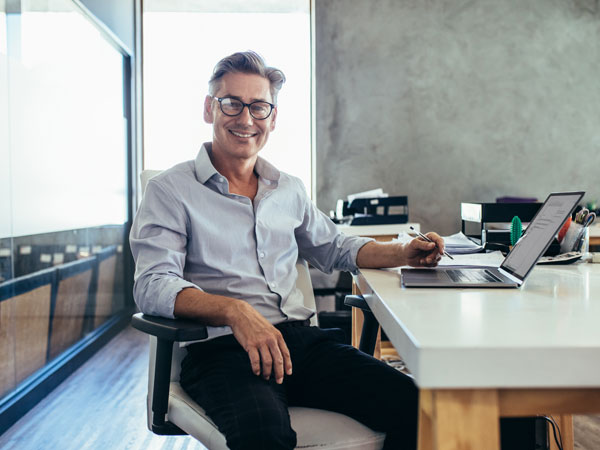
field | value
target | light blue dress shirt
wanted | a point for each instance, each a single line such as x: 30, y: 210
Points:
x: 190, y: 231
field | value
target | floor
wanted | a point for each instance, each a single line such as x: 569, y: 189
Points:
x: 102, y: 406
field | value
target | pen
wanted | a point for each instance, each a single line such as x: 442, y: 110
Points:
x: 429, y: 240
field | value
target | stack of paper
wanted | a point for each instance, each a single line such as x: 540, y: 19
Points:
x: 459, y: 244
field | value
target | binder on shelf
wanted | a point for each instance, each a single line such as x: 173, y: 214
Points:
x: 482, y: 223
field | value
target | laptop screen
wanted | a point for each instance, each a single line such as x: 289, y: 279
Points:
x: 540, y: 232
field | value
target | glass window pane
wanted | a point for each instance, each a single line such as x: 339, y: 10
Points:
x: 180, y: 51
x: 5, y: 222
x: 63, y: 178
x: 70, y: 91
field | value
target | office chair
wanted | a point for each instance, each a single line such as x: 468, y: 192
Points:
x: 370, y: 326
x: 170, y: 411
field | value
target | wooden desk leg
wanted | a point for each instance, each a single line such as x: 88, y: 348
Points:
x: 357, y: 322
x: 565, y: 423
x: 460, y: 419
x: 425, y: 439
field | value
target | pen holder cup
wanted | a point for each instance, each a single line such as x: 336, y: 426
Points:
x: 577, y: 239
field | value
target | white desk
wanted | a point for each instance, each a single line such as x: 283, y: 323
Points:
x: 477, y: 354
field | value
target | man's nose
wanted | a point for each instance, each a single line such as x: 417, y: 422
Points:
x: 245, y: 117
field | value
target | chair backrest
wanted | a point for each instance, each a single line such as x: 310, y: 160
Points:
x: 145, y: 176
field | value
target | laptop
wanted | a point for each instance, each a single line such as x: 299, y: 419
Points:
x: 518, y: 263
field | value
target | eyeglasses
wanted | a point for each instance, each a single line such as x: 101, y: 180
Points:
x: 233, y: 107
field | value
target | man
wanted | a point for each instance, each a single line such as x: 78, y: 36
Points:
x: 217, y: 239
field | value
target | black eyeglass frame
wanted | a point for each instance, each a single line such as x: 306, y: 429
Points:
x: 247, y: 105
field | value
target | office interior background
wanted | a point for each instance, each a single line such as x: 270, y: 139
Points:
x: 443, y: 101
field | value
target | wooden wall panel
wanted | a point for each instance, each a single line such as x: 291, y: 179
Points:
x: 7, y: 347
x: 67, y: 322
x: 31, y: 323
x: 105, y: 292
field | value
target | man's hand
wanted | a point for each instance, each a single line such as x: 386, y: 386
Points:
x: 417, y: 253
x: 263, y: 342
x: 420, y: 253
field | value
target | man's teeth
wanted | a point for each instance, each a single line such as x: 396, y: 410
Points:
x: 243, y: 135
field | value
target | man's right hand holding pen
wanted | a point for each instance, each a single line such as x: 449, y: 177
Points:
x: 423, y: 251
x: 422, y: 236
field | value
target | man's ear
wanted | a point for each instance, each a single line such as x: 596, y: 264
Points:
x: 208, y: 113
x: 273, y: 119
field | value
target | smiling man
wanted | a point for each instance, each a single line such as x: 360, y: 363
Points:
x: 216, y: 239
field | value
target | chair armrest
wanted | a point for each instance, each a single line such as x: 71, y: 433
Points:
x: 166, y: 331
x: 370, y: 328
x: 174, y: 330
x: 357, y: 301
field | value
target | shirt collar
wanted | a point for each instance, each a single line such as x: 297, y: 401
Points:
x: 267, y: 170
x: 205, y: 169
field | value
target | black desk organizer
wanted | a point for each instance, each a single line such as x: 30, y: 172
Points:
x: 377, y: 210
x: 475, y: 216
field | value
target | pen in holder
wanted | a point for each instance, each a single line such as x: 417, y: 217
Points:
x: 576, y: 239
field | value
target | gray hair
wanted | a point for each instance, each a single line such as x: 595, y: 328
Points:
x: 246, y: 62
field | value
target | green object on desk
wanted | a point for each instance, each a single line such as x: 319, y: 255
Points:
x: 516, y: 230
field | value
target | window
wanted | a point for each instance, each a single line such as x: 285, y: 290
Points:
x: 63, y: 188
x: 181, y: 47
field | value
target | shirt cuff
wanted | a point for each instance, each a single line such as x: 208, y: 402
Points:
x: 163, y: 304
x: 354, y: 249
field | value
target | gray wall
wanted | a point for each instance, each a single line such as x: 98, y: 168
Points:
x: 449, y: 101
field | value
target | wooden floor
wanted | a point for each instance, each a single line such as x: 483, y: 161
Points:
x: 102, y: 407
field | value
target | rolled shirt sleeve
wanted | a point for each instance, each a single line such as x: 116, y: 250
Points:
x: 158, y: 243
x: 323, y: 245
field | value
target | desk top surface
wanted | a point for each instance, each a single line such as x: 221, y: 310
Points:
x: 544, y: 334
x: 378, y: 230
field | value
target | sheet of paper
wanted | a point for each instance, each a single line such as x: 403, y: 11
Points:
x: 374, y: 193
x: 493, y: 259
x: 455, y: 244
x: 459, y: 244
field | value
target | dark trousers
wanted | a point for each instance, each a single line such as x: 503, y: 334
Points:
x: 327, y: 374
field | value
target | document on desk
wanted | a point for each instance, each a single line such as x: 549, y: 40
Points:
x: 456, y: 244
x: 492, y: 259
x: 459, y: 244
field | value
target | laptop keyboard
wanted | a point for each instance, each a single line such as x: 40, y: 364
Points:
x: 472, y: 276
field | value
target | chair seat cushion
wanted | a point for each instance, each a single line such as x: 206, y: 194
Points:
x: 315, y: 428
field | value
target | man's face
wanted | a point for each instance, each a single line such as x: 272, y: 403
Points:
x: 242, y: 136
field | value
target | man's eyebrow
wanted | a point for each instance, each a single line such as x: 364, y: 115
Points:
x: 240, y: 98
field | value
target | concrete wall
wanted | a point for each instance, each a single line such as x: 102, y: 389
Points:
x: 449, y: 101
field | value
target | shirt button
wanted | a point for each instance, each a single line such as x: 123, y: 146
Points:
x: 261, y: 254
x: 272, y: 284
